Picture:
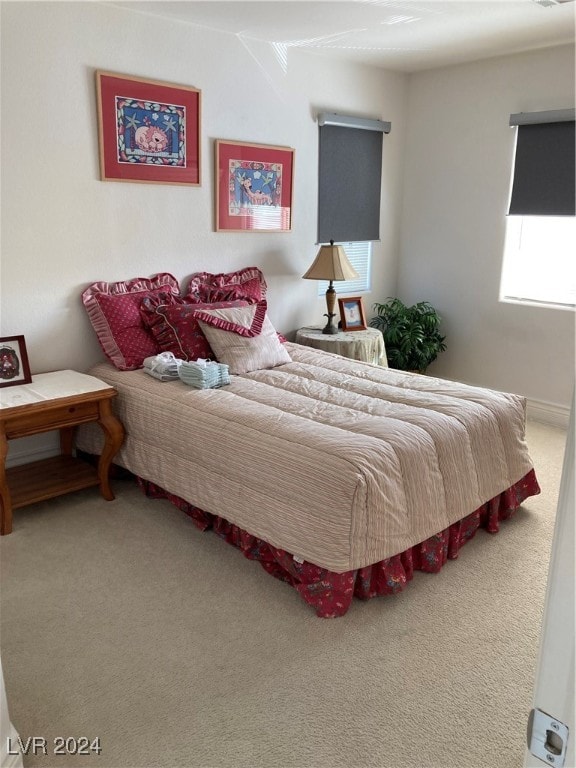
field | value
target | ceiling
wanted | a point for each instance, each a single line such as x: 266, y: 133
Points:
x: 400, y: 35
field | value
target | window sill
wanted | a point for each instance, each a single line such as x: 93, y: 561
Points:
x: 538, y: 304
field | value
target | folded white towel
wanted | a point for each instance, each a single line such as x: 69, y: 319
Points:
x: 164, y: 363
x: 161, y: 376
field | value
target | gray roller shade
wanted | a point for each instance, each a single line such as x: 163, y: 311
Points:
x: 350, y: 179
x: 544, y: 170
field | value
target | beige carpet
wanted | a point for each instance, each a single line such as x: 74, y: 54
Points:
x: 122, y: 621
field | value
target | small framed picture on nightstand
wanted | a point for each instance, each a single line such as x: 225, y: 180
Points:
x: 352, y: 314
x: 14, y: 368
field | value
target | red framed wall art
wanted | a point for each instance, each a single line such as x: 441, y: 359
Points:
x: 149, y: 131
x: 254, y: 186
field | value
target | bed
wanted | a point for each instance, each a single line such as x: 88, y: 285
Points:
x: 340, y: 477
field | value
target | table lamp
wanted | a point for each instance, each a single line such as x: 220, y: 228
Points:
x: 331, y: 263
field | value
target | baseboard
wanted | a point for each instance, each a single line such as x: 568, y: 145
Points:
x: 548, y: 413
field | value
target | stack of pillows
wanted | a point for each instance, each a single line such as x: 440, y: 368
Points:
x: 220, y: 317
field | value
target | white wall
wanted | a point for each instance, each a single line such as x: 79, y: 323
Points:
x: 63, y: 228
x: 459, y: 155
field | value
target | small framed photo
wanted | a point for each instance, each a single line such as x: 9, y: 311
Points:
x: 149, y: 131
x: 352, y: 314
x: 14, y: 368
x: 254, y: 184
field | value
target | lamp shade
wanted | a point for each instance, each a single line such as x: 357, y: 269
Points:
x: 331, y: 263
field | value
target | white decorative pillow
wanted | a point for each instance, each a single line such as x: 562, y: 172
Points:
x: 243, y: 338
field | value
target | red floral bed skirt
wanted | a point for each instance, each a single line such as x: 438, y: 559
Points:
x: 329, y: 593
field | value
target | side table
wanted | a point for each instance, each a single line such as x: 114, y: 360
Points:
x: 59, y: 400
x: 367, y: 345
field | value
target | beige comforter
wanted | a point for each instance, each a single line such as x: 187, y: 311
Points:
x: 338, y: 462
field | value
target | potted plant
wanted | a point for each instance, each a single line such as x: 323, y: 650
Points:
x: 411, y: 334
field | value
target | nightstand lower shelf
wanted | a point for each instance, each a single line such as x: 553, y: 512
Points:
x: 45, y: 479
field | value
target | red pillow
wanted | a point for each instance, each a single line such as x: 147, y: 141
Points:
x: 176, y: 329
x: 246, y: 284
x: 114, y: 311
x: 249, y: 290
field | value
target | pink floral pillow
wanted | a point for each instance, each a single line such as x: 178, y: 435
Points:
x: 176, y: 329
x: 246, y: 284
x: 114, y: 311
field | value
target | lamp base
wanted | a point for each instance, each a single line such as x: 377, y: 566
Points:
x: 330, y: 327
x: 330, y: 304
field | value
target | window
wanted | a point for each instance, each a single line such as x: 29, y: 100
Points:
x: 539, y: 265
x: 540, y: 260
x: 359, y: 255
x: 349, y: 186
x: 349, y: 183
x: 349, y: 177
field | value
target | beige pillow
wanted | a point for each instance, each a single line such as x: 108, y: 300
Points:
x: 242, y: 338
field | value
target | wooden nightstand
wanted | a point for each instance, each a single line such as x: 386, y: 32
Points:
x: 367, y: 345
x: 60, y: 400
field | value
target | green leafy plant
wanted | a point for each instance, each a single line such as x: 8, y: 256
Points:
x: 411, y: 334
